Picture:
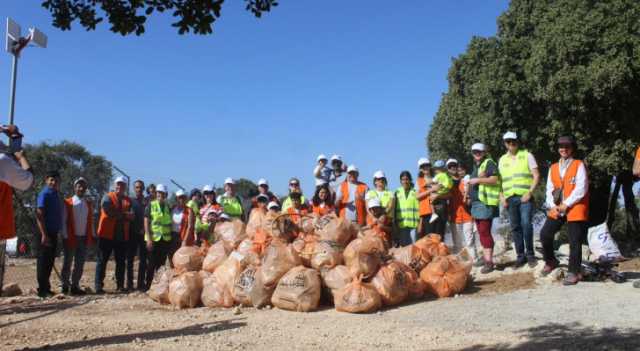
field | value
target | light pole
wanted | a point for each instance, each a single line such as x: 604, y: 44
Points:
x: 14, y: 45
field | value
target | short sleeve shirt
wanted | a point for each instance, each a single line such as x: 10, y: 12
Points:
x: 492, y: 170
x: 50, y: 202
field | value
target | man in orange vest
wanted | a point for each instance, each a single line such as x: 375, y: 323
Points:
x: 113, y: 233
x: 350, y: 201
x: 567, y: 196
x: 78, y: 233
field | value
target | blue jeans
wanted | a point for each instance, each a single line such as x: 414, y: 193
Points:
x: 520, y: 216
x: 76, y: 256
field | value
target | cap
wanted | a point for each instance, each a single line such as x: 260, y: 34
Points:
x: 180, y: 193
x: 161, y: 188
x: 510, y: 136
x: 478, y: 147
x: 439, y: 164
x: 229, y: 181
x: 352, y: 168
x: 375, y: 202
x: 120, y: 180
x: 262, y: 197
x: 564, y: 140
x: 423, y: 161
x: 294, y: 180
x: 263, y: 181
x: 321, y: 157
x: 207, y: 189
x: 194, y: 192
x: 378, y: 175
x: 273, y: 204
x: 452, y: 161
x: 336, y: 158
x: 81, y: 179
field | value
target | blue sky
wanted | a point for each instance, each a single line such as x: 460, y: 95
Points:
x: 258, y: 98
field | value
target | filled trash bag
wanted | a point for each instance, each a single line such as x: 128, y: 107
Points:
x: 216, y: 255
x: 188, y: 259
x: 159, y: 290
x: 326, y: 255
x: 336, y: 229
x: 216, y: 294
x: 185, y: 290
x: 336, y: 278
x: 299, y: 290
x: 357, y: 297
x: 231, y: 233
x: 229, y: 270
x: 363, y: 256
x: 259, y: 294
x: 416, y: 286
x: 304, y: 245
x: 413, y: 256
x: 243, y: 285
x: 434, y: 246
x: 446, y: 276
x: 277, y: 261
x: 391, y: 283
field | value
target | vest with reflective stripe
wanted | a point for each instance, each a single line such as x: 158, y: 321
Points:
x: 488, y: 194
x: 580, y: 210
x: 516, y: 176
x: 231, y: 206
x: 407, y: 209
x: 385, y: 199
x: 160, y: 221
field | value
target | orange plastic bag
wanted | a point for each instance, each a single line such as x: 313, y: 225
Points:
x: 188, y: 259
x: 243, y: 285
x: 326, y: 255
x: 445, y: 276
x: 413, y: 256
x: 216, y: 255
x: 391, y: 283
x: 304, y: 245
x: 336, y: 278
x: 415, y: 285
x: 298, y: 290
x: 277, y: 261
x: 185, y: 291
x: 216, y: 294
x: 159, y: 290
x: 229, y: 270
x: 261, y: 240
x: 231, y: 233
x: 336, y: 229
x: 259, y: 294
x: 357, y: 297
x: 434, y: 246
x: 363, y: 256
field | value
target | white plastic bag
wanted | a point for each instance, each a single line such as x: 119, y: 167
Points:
x: 601, y: 243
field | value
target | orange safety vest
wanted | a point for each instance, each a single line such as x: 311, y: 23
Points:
x: 361, y: 206
x: 71, y: 241
x: 297, y: 215
x: 373, y: 224
x: 323, y: 211
x: 425, y: 204
x: 7, y: 221
x: 184, y: 226
x: 580, y: 210
x: 459, y: 212
x: 107, y: 225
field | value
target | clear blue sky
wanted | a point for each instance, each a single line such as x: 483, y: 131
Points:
x: 258, y: 98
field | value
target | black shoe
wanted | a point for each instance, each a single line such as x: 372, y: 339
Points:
x: 45, y: 294
x: 532, y: 261
x: 65, y: 290
x: 77, y: 291
x: 122, y: 290
x: 521, y: 261
x: 100, y: 291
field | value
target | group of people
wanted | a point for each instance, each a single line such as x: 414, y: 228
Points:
x: 442, y: 195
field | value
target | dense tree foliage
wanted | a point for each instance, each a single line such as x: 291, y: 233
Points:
x: 554, y: 67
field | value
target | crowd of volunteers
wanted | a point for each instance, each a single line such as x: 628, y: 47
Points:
x: 443, y: 197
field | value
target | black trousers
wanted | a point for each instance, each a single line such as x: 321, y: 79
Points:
x: 438, y: 226
x: 175, y: 245
x: 577, y: 234
x: 119, y: 250
x: 136, y: 246
x: 157, y: 258
x: 44, y: 262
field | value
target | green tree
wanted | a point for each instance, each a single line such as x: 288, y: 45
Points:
x: 554, y: 67
x: 71, y: 160
x: 130, y: 16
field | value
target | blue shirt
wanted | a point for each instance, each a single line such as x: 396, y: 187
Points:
x: 51, y: 204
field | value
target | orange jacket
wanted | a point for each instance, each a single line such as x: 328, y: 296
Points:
x: 580, y: 210
x: 361, y: 206
x: 297, y: 215
x: 72, y: 239
x: 458, y: 209
x: 7, y: 221
x: 425, y: 204
x: 184, y: 226
x: 372, y: 223
x: 323, y: 211
x: 107, y: 225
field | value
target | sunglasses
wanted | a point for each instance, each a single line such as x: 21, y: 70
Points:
x: 294, y: 184
x: 510, y: 141
x: 452, y: 166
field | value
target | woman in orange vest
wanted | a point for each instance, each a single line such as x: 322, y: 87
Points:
x: 423, y: 193
x: 181, y: 228
x: 78, y: 233
x: 321, y: 202
x: 568, y: 200
x: 351, y: 198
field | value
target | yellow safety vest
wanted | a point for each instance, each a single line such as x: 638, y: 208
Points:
x: 160, y: 221
x: 287, y: 203
x: 488, y: 194
x: 385, y: 198
x: 516, y: 176
x: 231, y: 206
x: 407, y: 209
x: 445, y: 181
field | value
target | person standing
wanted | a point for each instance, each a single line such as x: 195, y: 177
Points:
x: 136, y: 245
x: 440, y: 195
x: 209, y: 214
x: 49, y: 219
x: 151, y: 193
x: 113, y: 234
x: 321, y: 202
x: 484, y: 197
x: 322, y: 173
x: 567, y: 196
x: 263, y: 189
x: 230, y: 201
x: 380, y: 190
x: 456, y: 209
x: 294, y: 187
x: 157, y: 228
x: 520, y: 177
x: 423, y: 193
x: 180, y: 235
x: 406, y: 211
x: 461, y: 220
x: 78, y: 233
x: 350, y: 201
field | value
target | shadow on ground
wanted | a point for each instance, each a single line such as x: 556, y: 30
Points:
x: 192, y: 330
x: 570, y: 337
x: 42, y: 309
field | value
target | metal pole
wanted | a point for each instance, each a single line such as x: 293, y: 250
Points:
x: 12, y: 94
x: 178, y: 185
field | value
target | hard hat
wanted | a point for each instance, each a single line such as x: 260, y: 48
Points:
x: 378, y: 175
x: 478, y: 147
x: 120, y: 179
x: 207, y: 189
x: 336, y: 158
x: 452, y: 160
x: 263, y: 181
x: 423, y: 161
x: 510, y: 136
x: 439, y: 164
x: 352, y: 168
x: 161, y: 188
x: 375, y: 202
x: 180, y: 193
x: 264, y: 197
x: 321, y: 157
x: 229, y: 181
x: 273, y: 204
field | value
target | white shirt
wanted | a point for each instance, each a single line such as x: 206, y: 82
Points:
x: 176, y: 219
x: 325, y: 174
x: 12, y: 174
x: 350, y: 205
x: 80, y: 214
x: 581, y: 181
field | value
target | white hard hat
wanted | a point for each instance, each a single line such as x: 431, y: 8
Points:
x: 423, y: 161
x: 478, y: 147
x: 207, y: 189
x: 451, y: 160
x: 120, y: 179
x: 321, y: 157
x: 229, y: 181
x: 352, y: 168
x: 336, y: 158
x: 262, y: 196
x: 161, y: 188
x: 510, y: 135
x: 263, y: 181
x: 375, y: 202
x: 180, y: 193
x: 273, y: 204
x: 378, y: 175
x: 224, y: 216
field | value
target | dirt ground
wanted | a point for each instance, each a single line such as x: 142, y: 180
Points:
x: 505, y: 310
